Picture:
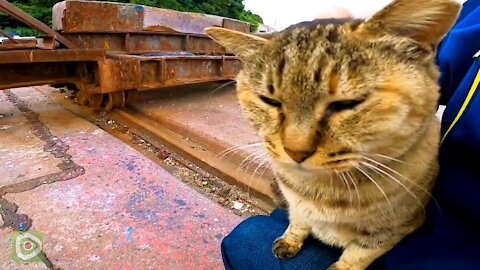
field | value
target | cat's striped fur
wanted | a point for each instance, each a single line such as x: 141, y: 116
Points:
x: 347, y: 114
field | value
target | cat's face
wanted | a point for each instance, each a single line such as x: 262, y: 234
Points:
x: 326, y: 96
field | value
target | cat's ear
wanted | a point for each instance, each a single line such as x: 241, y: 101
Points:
x: 426, y: 21
x: 239, y: 43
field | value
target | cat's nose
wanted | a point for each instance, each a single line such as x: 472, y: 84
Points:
x: 299, y: 156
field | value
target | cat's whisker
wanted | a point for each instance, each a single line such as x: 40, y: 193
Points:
x: 254, y: 173
x: 354, y: 182
x: 251, y: 158
x: 344, y: 179
x: 236, y: 148
x: 369, y: 177
x: 383, y: 173
x: 265, y: 169
x: 254, y: 154
x: 259, y: 156
x: 405, y: 178
x: 399, y: 174
x: 387, y: 157
x: 222, y: 86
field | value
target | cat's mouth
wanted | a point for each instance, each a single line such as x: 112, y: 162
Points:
x: 342, y: 163
x: 337, y: 165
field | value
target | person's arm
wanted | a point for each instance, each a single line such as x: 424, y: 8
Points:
x: 456, y: 51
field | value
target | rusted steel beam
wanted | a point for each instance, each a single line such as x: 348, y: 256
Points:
x: 16, y: 46
x: 44, y: 56
x: 8, y: 36
x: 96, y: 16
x: 124, y: 72
x: 23, y: 74
x: 90, y: 16
x: 189, y: 70
x: 45, y: 43
x: 18, y: 14
x: 146, y: 42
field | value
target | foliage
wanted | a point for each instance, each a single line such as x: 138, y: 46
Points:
x: 42, y: 10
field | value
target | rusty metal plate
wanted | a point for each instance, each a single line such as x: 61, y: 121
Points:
x: 119, y: 74
x: 89, y: 16
x: 236, y: 25
x: 156, y: 19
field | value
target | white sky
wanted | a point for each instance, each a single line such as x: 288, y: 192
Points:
x: 283, y: 13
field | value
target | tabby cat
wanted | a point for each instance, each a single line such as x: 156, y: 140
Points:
x: 347, y: 113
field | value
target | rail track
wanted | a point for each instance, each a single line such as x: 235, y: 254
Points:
x: 113, y: 55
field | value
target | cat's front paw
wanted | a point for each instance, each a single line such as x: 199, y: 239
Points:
x: 284, y: 249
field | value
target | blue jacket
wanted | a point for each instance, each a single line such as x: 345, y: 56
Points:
x: 450, y: 238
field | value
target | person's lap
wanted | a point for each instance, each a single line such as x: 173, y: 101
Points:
x: 249, y: 247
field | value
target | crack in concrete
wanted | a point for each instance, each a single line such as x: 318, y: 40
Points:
x: 69, y: 170
x: 55, y: 146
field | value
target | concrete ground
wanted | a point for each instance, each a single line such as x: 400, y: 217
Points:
x: 98, y: 203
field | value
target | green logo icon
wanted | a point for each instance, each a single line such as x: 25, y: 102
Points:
x: 27, y: 246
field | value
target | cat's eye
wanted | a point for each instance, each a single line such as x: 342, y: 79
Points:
x: 271, y: 102
x: 338, y: 106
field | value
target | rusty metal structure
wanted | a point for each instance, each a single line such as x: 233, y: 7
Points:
x: 109, y: 51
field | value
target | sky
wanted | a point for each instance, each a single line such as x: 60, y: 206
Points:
x: 283, y: 13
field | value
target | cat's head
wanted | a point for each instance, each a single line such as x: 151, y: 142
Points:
x: 322, y: 96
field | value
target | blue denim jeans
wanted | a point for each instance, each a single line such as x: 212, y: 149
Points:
x: 249, y: 247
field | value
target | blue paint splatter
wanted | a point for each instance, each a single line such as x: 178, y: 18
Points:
x: 129, y: 233
x: 131, y: 166
x: 180, y: 202
x: 148, y: 216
